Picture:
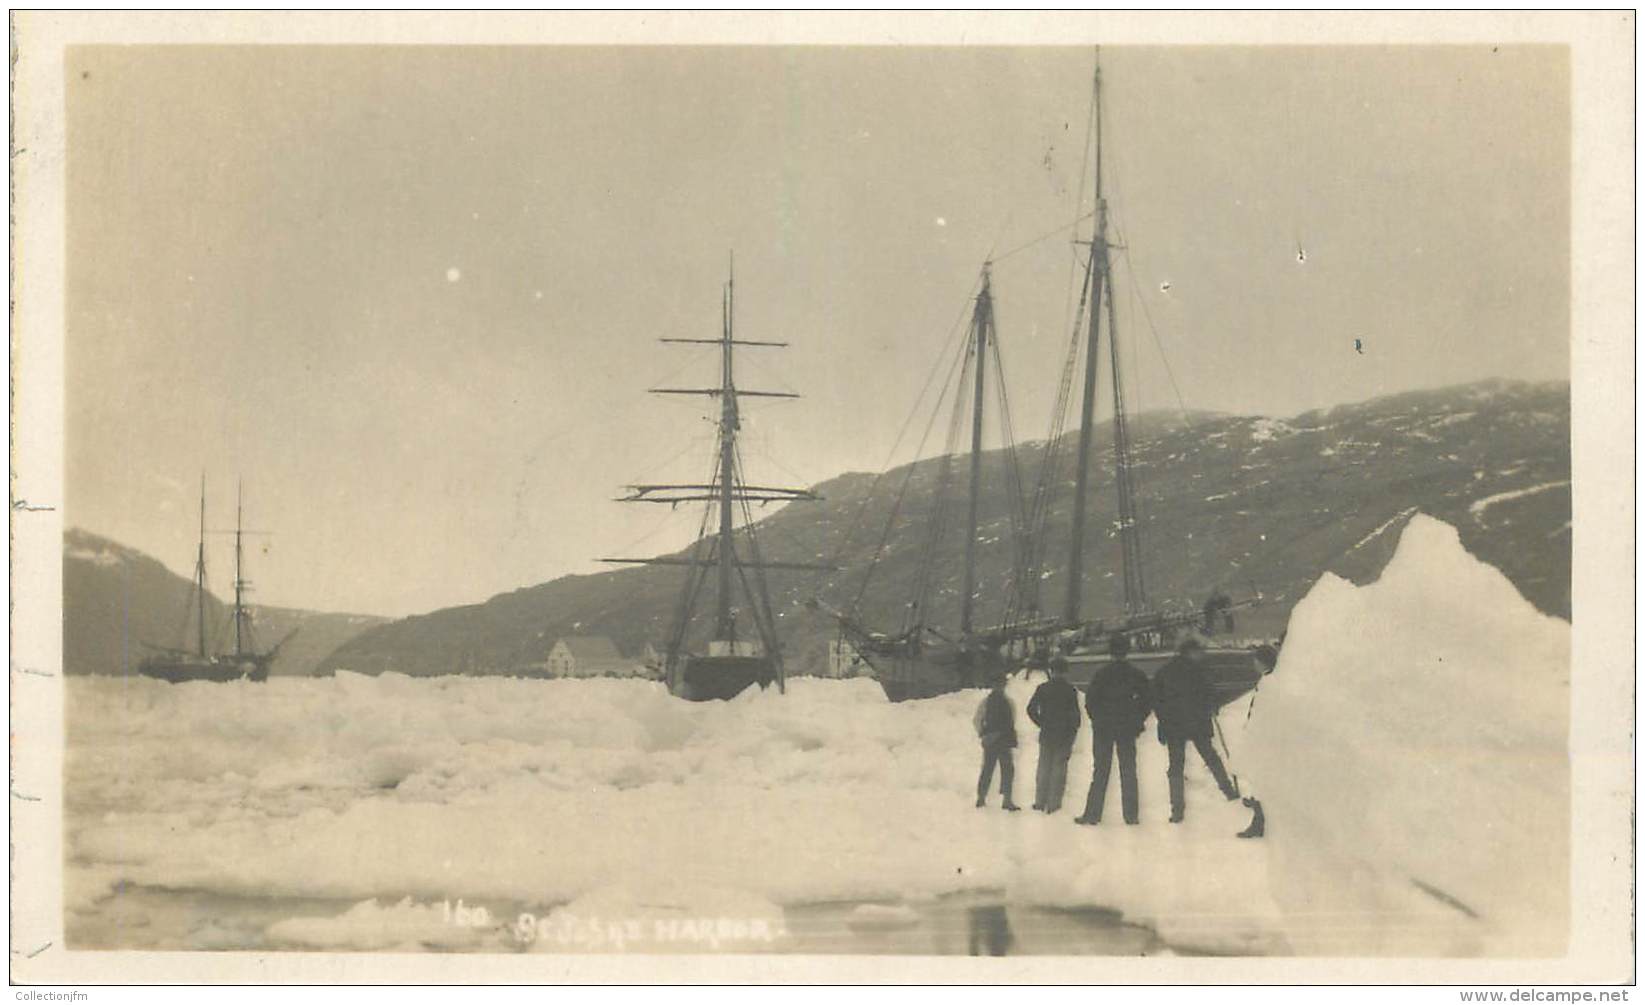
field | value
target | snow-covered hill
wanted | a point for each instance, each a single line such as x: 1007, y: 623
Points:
x: 1238, y: 503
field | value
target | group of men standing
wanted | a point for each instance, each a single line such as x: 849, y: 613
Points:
x: 1118, y: 702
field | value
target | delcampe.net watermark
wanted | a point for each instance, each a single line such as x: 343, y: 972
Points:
x: 1538, y: 996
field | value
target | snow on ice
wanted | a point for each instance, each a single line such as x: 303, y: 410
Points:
x: 1409, y: 752
x: 587, y: 797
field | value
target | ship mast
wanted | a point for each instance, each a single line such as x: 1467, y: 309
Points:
x: 200, y: 571
x: 982, y: 325
x: 1100, y: 289
x: 239, y: 578
x: 1097, y: 280
x: 1136, y: 597
x: 726, y: 492
x: 725, y: 620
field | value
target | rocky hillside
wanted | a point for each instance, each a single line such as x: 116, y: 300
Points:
x: 116, y: 599
x: 1243, y: 504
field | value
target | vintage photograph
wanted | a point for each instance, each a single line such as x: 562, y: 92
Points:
x: 1091, y: 500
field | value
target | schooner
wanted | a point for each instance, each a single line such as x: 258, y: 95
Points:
x: 200, y: 663
x: 920, y: 660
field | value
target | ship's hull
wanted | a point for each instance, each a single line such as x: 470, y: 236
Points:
x: 217, y: 669
x: 931, y: 671
x: 1231, y: 670
x: 719, y: 678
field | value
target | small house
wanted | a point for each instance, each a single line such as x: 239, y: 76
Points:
x: 845, y: 661
x: 589, y: 656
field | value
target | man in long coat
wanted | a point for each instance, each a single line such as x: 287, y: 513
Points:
x: 996, y: 726
x: 1118, y: 702
x: 1055, y: 709
x: 1185, y: 708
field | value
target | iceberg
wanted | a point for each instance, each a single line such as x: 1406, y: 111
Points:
x: 1411, y: 752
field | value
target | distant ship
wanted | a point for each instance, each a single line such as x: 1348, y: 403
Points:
x: 918, y: 660
x: 200, y: 663
x: 732, y: 660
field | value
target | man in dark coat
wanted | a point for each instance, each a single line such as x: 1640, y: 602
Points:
x: 997, y: 729
x: 1055, y: 709
x: 1185, y: 708
x: 1117, y: 701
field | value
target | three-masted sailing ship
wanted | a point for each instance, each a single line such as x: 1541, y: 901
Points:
x: 921, y: 661
x: 244, y: 662
x: 733, y: 657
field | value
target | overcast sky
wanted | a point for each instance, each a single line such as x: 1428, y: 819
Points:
x: 412, y: 294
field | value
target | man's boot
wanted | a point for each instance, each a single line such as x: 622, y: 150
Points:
x: 1258, y: 823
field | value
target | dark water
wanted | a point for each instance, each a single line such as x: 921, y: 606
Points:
x: 981, y: 924
x: 974, y: 924
x: 155, y: 918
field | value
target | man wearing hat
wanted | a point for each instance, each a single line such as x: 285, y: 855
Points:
x: 1055, y: 709
x: 1117, y: 701
x: 1185, y: 708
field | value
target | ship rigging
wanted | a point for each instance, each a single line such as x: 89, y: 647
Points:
x: 730, y: 555
x: 244, y: 662
x: 921, y: 661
